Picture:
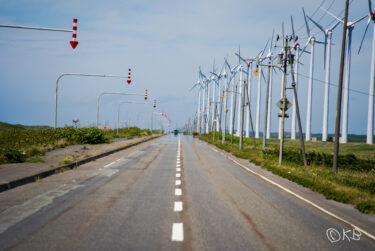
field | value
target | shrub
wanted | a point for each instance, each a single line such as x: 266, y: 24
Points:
x: 11, y: 155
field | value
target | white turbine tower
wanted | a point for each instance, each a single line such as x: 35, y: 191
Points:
x: 270, y: 57
x: 327, y: 65
x: 248, y: 63
x: 370, y: 116
x: 311, y: 40
x: 205, y: 82
x: 260, y: 73
x: 350, y: 27
x: 298, y: 53
x: 200, y: 84
x: 233, y: 72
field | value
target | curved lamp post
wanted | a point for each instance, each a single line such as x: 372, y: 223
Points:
x: 112, y: 93
x: 126, y: 102
x: 83, y: 75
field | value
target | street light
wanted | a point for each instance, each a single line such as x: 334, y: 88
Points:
x: 79, y: 74
x: 111, y: 93
x: 73, y: 43
x: 126, y: 102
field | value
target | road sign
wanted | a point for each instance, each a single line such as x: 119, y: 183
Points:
x: 280, y: 104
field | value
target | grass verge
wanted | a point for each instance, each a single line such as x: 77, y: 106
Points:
x: 354, y: 186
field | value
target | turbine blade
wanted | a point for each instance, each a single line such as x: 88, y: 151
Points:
x: 316, y: 24
x: 264, y: 78
x: 364, y: 34
x: 271, y: 45
x: 306, y: 24
x: 370, y: 7
x: 265, y: 47
x: 334, y: 26
x: 291, y: 21
x: 359, y: 20
x: 332, y: 15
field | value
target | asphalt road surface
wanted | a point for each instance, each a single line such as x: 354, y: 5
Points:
x: 175, y: 193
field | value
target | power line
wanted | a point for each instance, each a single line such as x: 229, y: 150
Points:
x: 331, y: 84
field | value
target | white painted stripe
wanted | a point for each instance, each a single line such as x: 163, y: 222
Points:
x: 178, y: 192
x: 177, y: 206
x: 178, y: 182
x: 178, y: 169
x: 178, y: 175
x: 178, y: 165
x: 298, y: 196
x: 110, y: 164
x: 178, y: 232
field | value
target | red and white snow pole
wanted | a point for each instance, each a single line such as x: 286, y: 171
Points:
x: 129, y: 76
x: 74, y: 43
x: 146, y: 94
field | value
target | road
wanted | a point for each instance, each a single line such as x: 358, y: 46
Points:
x: 174, y: 193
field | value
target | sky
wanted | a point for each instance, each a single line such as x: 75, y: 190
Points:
x: 163, y: 42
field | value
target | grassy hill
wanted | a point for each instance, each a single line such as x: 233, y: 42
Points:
x: 6, y: 126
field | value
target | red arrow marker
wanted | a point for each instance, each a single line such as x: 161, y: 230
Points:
x: 74, y: 43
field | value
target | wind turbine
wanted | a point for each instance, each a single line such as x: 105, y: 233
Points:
x: 218, y: 102
x: 205, y: 82
x: 270, y: 57
x: 370, y: 116
x: 199, y: 84
x: 350, y: 27
x: 311, y: 40
x: 298, y: 53
x: 249, y: 65
x: 259, y: 58
x: 327, y: 65
x: 233, y: 72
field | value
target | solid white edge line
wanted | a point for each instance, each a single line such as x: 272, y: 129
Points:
x: 177, y: 232
x: 298, y: 196
x: 177, y: 206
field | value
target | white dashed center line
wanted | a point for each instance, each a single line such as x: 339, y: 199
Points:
x: 178, y: 192
x: 177, y: 206
x: 178, y: 228
x: 178, y: 232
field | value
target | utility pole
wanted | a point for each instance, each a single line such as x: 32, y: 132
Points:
x: 242, y: 107
x: 234, y: 112
x: 250, y: 117
x: 339, y: 95
x: 286, y: 58
x: 283, y: 109
x: 297, y: 108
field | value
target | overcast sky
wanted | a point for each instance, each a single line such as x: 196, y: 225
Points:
x: 163, y: 42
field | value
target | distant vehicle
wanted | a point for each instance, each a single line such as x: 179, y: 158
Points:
x: 175, y: 132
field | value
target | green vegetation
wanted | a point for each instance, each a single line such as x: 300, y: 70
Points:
x: 66, y: 160
x: 20, y: 143
x: 5, y: 126
x: 354, y: 183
